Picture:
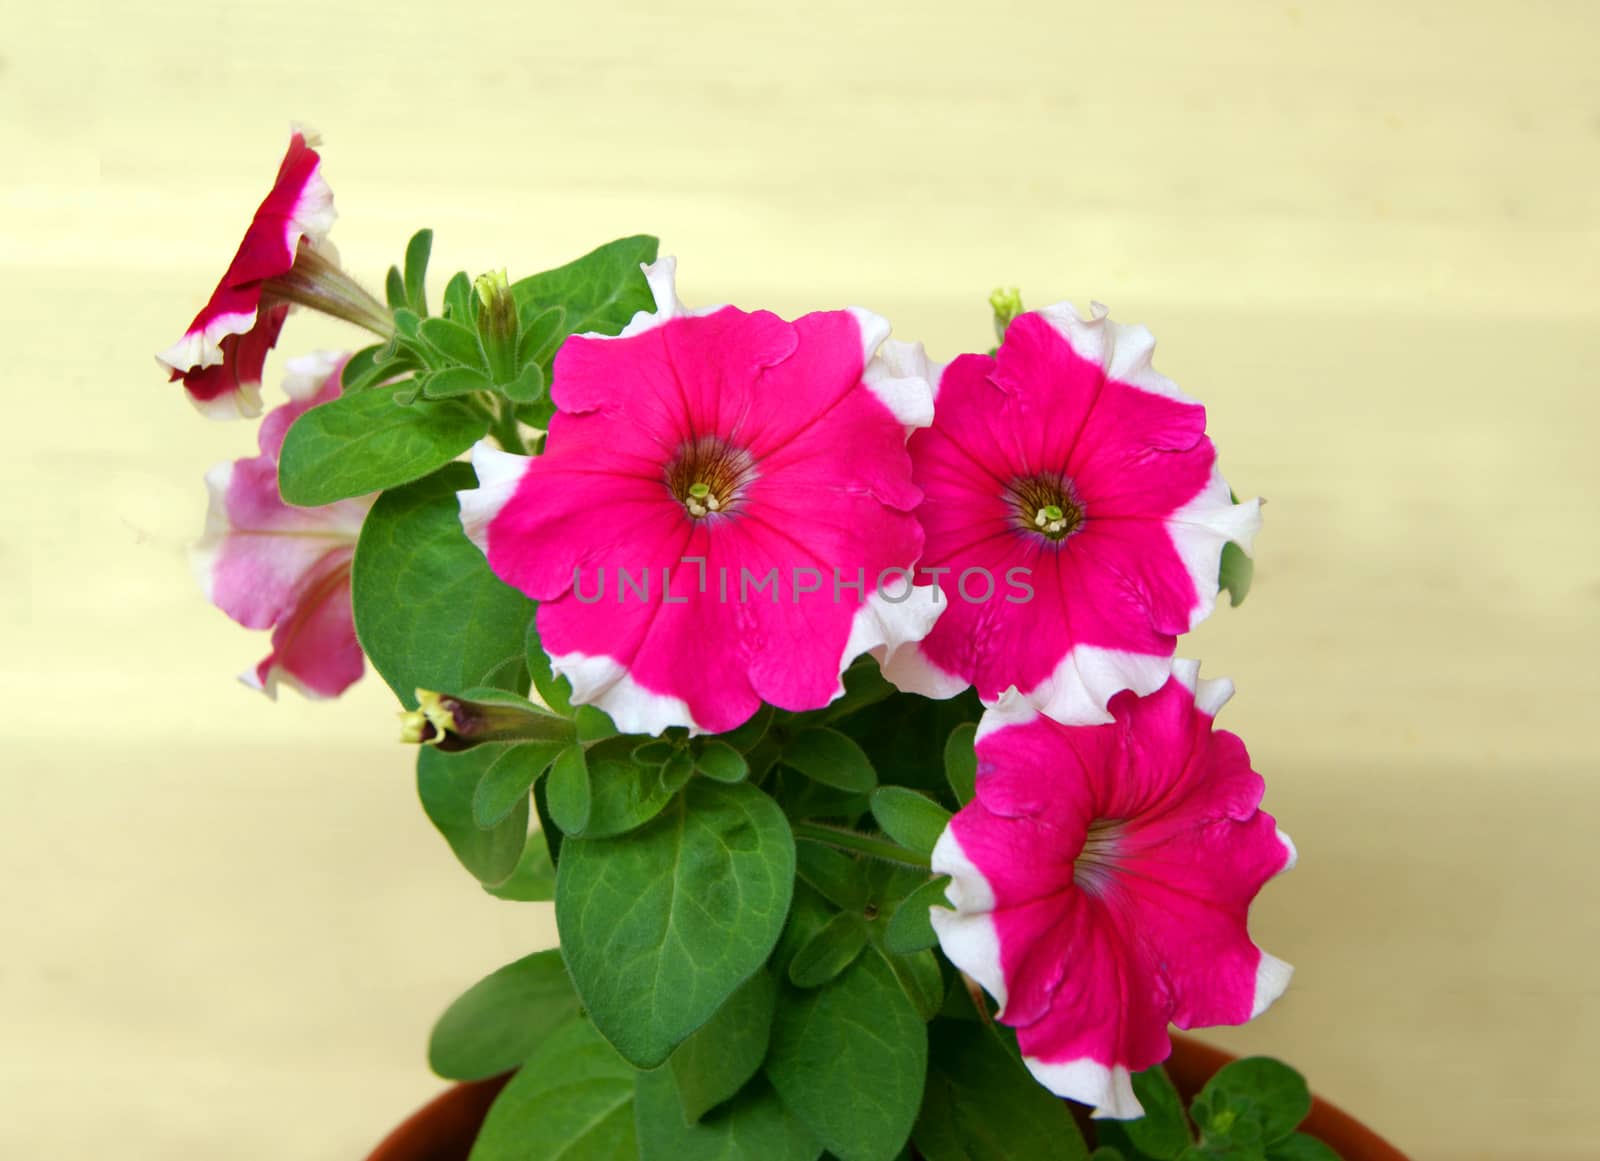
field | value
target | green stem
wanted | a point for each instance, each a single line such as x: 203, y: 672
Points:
x: 506, y: 432
x: 861, y: 844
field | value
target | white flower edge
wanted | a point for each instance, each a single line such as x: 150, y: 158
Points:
x: 606, y: 683
x: 498, y: 474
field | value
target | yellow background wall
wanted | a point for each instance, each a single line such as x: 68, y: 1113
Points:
x: 1365, y: 234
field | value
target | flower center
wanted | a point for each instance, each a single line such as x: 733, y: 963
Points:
x: 1096, y: 864
x: 709, y: 476
x: 1047, y: 504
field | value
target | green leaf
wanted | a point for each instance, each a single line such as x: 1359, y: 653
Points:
x: 833, y: 873
x: 721, y: 761
x: 418, y: 250
x: 428, y: 610
x: 909, y: 928
x: 913, y: 820
x: 920, y: 979
x: 755, y: 1126
x: 593, y: 723
x: 961, y: 762
x: 829, y: 757
x: 527, y: 387
x: 358, y: 444
x: 394, y: 288
x: 746, y: 737
x: 446, y: 784
x: 905, y: 737
x: 829, y: 952
x: 661, y: 925
x: 600, y: 292
x: 361, y: 369
x: 509, y: 674
x: 1163, y: 1131
x: 541, y: 335
x: 459, y: 300
x: 849, y: 1059
x: 507, y: 781
x: 534, y: 880
x: 498, y: 1021
x: 555, y: 692
x: 453, y: 381
x: 1236, y: 573
x: 628, y: 794
x: 654, y: 752
x: 1300, y: 1147
x: 1254, y: 1100
x: 572, y: 1100
x: 716, y: 1061
x: 982, y: 1105
x: 571, y: 793
x: 454, y: 341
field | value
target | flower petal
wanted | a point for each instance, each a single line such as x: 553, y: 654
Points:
x: 1102, y: 878
x: 220, y: 357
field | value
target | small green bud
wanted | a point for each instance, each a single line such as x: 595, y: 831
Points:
x: 1007, y: 305
x: 498, y: 327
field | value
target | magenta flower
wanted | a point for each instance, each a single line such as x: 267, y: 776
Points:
x: 720, y: 513
x: 272, y: 566
x: 1067, y: 464
x: 283, y: 259
x: 1102, y: 878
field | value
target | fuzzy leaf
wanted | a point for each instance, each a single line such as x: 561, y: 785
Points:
x: 982, y: 1105
x: 418, y: 251
x: 428, y: 610
x: 455, y: 342
x: 571, y: 793
x: 830, y: 951
x: 452, y: 382
x: 660, y: 926
x: 600, y: 292
x: 446, y: 784
x: 572, y: 1100
x: 1236, y: 573
x: 961, y: 762
x: 913, y: 820
x: 1256, y: 1100
x: 506, y: 783
x: 534, y: 880
x: 829, y: 757
x: 849, y: 1059
x: 722, y: 762
x: 716, y: 1061
x: 754, y: 1126
x: 363, y: 443
x: 496, y: 1023
x: 909, y: 928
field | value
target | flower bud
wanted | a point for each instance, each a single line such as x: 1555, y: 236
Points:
x: 457, y: 723
x: 497, y: 324
x: 1007, y: 305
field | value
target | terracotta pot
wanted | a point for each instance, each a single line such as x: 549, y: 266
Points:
x: 444, y: 1128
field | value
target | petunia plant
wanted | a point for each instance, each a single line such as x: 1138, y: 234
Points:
x: 827, y: 692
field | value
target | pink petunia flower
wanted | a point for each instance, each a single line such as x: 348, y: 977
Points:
x: 1068, y: 464
x: 272, y: 566
x: 720, y: 512
x: 1102, y: 878
x: 284, y: 258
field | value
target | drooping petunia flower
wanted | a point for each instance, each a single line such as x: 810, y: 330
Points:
x: 711, y: 524
x: 284, y: 259
x: 272, y: 566
x: 1102, y: 878
x: 1069, y: 467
